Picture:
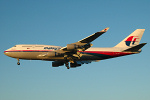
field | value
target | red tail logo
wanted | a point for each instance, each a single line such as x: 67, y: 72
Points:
x: 131, y: 39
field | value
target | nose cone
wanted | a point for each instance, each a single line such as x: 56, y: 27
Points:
x: 9, y: 52
x: 6, y: 53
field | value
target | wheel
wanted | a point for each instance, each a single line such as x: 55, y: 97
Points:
x: 67, y: 65
x: 18, y: 63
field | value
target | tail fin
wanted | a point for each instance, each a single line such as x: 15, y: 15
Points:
x: 132, y: 40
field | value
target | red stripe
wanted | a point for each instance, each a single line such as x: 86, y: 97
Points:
x: 96, y: 52
x: 109, y: 53
x: 26, y: 50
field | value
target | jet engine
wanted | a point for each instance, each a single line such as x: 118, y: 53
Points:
x: 72, y: 46
x: 57, y: 63
x: 73, y: 65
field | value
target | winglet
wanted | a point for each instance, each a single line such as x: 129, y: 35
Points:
x: 105, y: 30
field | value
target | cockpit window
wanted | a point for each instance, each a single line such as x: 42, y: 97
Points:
x: 14, y: 46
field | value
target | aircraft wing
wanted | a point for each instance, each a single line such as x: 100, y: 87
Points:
x: 70, y: 52
x: 93, y: 36
x: 85, y: 43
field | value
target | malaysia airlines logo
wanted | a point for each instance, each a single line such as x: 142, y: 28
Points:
x: 131, y: 39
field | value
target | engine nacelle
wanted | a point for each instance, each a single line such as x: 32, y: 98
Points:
x: 74, y: 65
x: 72, y: 46
x: 57, y: 64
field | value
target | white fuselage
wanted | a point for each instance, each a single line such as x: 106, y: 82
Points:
x: 33, y: 52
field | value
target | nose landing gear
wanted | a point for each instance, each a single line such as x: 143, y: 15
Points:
x: 18, y: 63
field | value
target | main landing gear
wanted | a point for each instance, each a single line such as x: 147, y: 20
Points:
x: 18, y: 63
x: 67, y: 65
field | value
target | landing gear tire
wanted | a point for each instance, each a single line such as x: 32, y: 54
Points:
x: 18, y: 63
x: 67, y: 65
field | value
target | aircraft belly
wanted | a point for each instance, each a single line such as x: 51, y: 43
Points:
x: 95, y: 56
x: 23, y: 55
x: 31, y: 56
x: 84, y: 55
x: 103, y: 55
x: 89, y: 57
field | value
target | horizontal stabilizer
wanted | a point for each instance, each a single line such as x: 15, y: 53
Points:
x: 135, y: 48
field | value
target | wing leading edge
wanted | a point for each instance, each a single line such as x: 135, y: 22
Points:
x: 93, y: 36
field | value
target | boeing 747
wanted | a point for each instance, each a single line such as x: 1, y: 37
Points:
x: 78, y: 53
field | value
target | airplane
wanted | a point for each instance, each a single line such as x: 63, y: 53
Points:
x: 78, y: 53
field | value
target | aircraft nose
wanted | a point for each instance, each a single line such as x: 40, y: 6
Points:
x: 6, y: 53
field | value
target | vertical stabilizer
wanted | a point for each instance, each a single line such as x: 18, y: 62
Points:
x: 132, y: 40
